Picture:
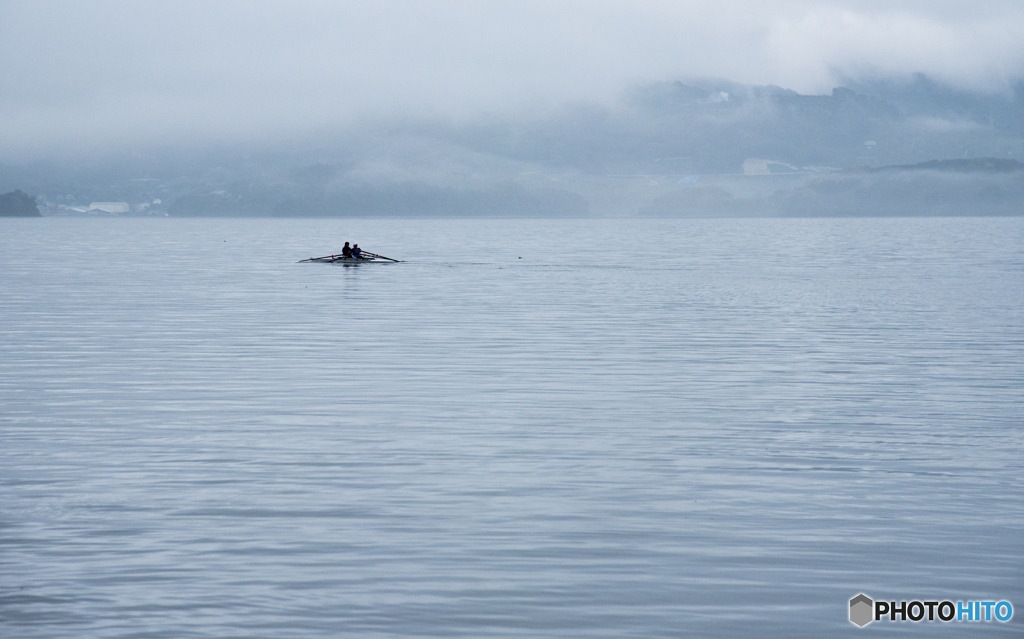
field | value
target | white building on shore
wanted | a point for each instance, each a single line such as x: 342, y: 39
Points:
x: 110, y: 207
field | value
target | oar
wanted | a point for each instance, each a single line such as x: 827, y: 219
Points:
x: 381, y: 257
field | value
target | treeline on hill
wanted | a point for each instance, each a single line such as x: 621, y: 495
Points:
x: 983, y: 186
x: 18, y: 204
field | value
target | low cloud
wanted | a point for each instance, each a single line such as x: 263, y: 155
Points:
x: 101, y: 74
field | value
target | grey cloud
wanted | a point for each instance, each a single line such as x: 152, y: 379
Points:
x: 93, y: 73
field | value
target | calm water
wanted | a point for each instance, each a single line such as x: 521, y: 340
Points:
x: 640, y: 429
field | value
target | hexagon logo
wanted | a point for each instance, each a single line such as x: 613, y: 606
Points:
x: 861, y: 608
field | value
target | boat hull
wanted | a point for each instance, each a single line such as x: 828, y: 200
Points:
x: 348, y: 261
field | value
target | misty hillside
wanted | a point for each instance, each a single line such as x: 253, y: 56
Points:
x: 705, y: 147
x: 713, y: 126
x: 984, y: 186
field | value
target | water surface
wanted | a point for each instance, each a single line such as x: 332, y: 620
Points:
x: 571, y: 428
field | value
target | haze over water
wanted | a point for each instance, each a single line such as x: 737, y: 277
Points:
x: 643, y: 428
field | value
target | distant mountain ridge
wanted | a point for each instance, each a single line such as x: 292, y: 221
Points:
x: 715, y: 125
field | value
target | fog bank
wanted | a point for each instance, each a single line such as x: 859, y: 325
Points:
x: 103, y: 75
x: 709, y: 147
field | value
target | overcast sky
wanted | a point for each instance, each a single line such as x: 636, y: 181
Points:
x: 83, y: 73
